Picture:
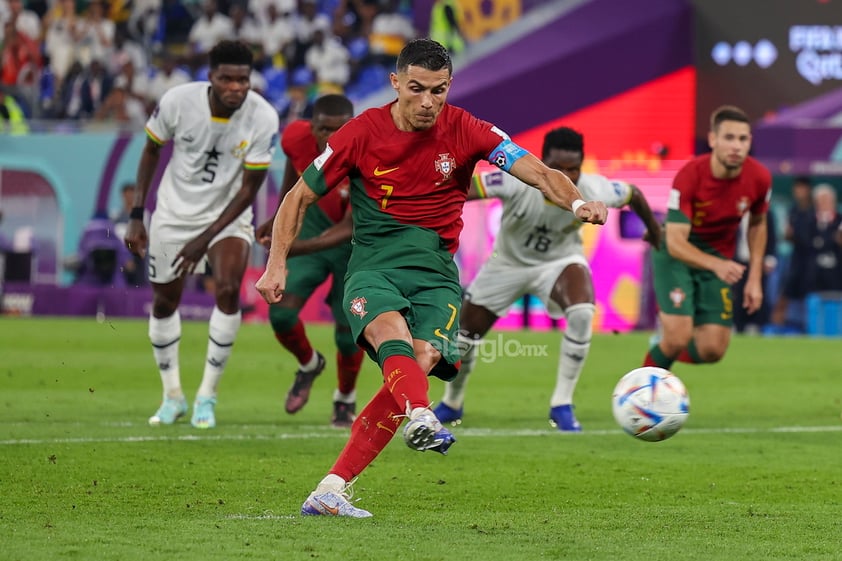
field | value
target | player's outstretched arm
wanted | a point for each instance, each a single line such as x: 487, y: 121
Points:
x: 558, y: 189
x: 287, y: 226
x: 640, y: 206
x: 757, y: 238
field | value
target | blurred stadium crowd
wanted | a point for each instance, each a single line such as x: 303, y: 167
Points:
x: 110, y: 60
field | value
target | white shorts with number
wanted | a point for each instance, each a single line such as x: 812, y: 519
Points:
x: 498, y: 285
x: 167, y: 237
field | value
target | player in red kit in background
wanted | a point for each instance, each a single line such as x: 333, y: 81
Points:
x: 410, y: 164
x: 301, y: 142
x: 695, y: 267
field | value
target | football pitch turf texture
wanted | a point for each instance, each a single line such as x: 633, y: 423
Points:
x: 754, y: 474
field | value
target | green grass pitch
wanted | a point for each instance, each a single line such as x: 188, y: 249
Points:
x: 754, y: 474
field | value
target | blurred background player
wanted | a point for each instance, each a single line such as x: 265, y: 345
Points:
x: 302, y: 141
x: 224, y: 138
x: 539, y: 251
x: 694, y: 268
x: 410, y: 162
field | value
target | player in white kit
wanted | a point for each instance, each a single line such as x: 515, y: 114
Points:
x: 223, y: 138
x: 538, y: 251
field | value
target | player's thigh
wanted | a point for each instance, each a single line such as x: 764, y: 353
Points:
x: 434, y: 316
x: 166, y: 238
x: 561, y: 283
x: 714, y: 301
x: 369, y: 294
x: 673, y: 285
x: 497, y: 286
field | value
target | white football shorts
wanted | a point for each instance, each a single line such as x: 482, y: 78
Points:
x: 167, y: 237
x: 499, y: 284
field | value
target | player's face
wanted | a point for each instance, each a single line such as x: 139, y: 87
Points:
x: 421, y: 97
x: 325, y: 125
x: 230, y: 83
x: 567, y: 162
x: 730, y: 144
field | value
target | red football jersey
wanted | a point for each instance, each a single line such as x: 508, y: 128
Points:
x: 419, y: 178
x: 300, y: 146
x: 714, y: 207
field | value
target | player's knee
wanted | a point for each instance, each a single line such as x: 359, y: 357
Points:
x: 163, y: 306
x: 282, y: 319
x: 227, y: 292
x: 711, y: 354
x: 579, y: 319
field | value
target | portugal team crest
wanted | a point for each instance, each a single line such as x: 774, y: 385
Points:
x: 445, y: 166
x: 358, y: 307
x: 742, y: 205
x: 677, y: 296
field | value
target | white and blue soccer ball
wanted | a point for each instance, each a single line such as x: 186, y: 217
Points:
x: 650, y: 403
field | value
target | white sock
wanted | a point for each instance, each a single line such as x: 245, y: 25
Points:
x: 311, y: 364
x: 331, y: 482
x: 222, y: 332
x: 164, y: 334
x: 574, y: 350
x: 454, y: 391
x: 345, y: 397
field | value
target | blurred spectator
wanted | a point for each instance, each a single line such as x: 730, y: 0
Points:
x: 210, y: 28
x: 94, y: 34
x: 299, y: 104
x: 283, y: 9
x: 445, y: 25
x: 245, y: 28
x: 12, y: 117
x: 175, y: 24
x: 352, y: 19
x: 278, y: 37
x: 59, y: 39
x: 145, y: 20
x: 754, y: 323
x: 20, y: 59
x: 25, y: 21
x: 83, y: 91
x: 258, y: 83
x: 121, y: 106
x: 126, y: 49
x: 797, y: 233
x: 168, y: 76
x: 306, y: 21
x: 328, y: 58
x: 824, y: 272
x: 390, y: 30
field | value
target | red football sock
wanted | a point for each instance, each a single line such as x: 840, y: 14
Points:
x: 295, y: 341
x: 407, y: 382
x: 347, y: 370
x: 375, y: 426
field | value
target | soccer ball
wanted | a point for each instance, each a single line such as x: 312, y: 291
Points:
x: 650, y: 403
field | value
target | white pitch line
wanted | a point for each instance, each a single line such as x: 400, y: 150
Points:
x: 333, y: 433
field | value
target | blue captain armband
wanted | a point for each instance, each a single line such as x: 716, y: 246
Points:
x: 506, y: 154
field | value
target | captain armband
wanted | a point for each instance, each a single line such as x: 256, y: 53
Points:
x: 506, y: 154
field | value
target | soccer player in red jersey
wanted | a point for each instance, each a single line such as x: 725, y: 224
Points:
x: 410, y: 164
x: 302, y: 141
x: 695, y: 267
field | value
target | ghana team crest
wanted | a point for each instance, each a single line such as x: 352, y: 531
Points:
x: 358, y: 307
x: 445, y: 166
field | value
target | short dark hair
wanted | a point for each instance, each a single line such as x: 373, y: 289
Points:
x: 230, y: 52
x: 425, y: 53
x: 563, y: 138
x: 727, y: 113
x: 333, y: 105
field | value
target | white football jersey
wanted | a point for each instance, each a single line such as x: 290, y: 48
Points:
x: 209, y: 153
x: 532, y: 229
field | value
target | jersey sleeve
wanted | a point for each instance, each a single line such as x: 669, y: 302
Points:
x: 615, y: 194
x: 259, y: 154
x: 337, y: 160
x: 497, y: 184
x: 160, y: 127
x: 680, y: 203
